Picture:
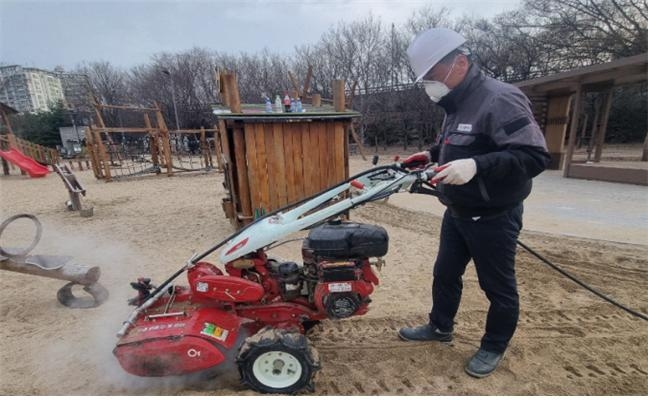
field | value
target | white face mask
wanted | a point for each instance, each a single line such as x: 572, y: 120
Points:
x: 435, y: 89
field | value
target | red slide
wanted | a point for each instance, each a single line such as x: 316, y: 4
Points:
x: 29, y: 165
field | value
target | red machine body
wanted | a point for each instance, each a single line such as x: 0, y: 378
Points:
x: 198, y: 327
x: 195, y: 341
x: 255, y: 311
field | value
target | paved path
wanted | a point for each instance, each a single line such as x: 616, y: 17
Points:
x: 590, y: 209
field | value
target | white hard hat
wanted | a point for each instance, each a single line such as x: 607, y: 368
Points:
x: 429, y: 47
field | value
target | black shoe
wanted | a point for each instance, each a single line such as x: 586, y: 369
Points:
x: 483, y: 363
x: 424, y: 333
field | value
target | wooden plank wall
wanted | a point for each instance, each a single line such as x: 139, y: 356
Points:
x: 287, y: 162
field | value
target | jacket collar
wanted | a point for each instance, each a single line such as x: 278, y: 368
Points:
x: 452, y: 100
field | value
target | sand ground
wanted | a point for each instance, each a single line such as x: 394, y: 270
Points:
x: 568, y: 342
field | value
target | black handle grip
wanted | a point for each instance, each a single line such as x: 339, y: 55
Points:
x: 413, y: 164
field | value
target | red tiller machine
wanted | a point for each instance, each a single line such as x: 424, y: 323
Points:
x: 254, y: 312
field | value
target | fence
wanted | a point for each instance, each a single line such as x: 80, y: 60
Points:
x: 42, y: 154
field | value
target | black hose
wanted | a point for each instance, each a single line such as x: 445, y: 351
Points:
x: 584, y: 285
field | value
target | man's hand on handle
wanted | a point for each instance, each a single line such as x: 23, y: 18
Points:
x: 457, y: 172
x: 417, y: 160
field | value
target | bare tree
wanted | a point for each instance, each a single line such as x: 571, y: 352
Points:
x: 109, y: 85
x: 584, y: 32
x: 504, y: 50
x: 259, y: 75
x: 540, y: 37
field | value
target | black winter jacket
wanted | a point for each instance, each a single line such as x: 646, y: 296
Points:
x: 491, y: 122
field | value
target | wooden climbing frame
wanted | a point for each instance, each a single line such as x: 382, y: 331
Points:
x: 155, y: 150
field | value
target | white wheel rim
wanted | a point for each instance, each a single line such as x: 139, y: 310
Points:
x: 277, y: 369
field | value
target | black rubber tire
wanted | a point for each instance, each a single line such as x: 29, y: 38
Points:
x: 269, y: 339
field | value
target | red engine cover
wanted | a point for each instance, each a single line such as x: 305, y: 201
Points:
x: 178, y: 345
x: 226, y: 288
x: 168, y: 356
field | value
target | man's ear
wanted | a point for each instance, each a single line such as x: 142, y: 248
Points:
x: 462, y: 62
x: 460, y: 70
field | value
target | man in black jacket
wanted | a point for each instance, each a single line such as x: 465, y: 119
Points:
x: 489, y: 149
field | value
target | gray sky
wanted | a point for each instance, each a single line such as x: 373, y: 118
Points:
x: 47, y: 33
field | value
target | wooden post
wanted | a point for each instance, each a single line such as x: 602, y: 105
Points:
x: 203, y: 146
x: 166, y: 145
x: 91, y: 149
x: 600, y: 139
x: 41, y: 154
x: 100, y: 120
x: 229, y: 176
x: 223, y: 88
x: 316, y: 100
x: 31, y: 150
x: 338, y: 95
x: 165, y: 138
x: 581, y: 136
x: 218, y: 148
x: 231, y: 88
x: 357, y: 140
x: 12, y: 140
x: 5, y: 165
x: 596, y: 124
x: 103, y: 155
x: 153, y: 141
x: 102, y: 124
x: 578, y: 105
x: 242, y: 172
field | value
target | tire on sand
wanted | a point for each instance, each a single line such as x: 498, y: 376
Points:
x: 278, y: 361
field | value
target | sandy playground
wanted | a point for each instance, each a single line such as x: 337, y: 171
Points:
x: 568, y: 341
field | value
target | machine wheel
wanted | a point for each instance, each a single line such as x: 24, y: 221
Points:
x: 278, y: 361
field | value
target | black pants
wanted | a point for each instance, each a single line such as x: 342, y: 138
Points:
x: 491, y: 243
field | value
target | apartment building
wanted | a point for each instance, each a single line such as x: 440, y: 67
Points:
x: 75, y: 90
x: 29, y: 89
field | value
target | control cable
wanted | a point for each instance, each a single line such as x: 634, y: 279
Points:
x: 584, y: 285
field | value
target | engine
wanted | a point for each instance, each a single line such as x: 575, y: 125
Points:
x: 335, y: 280
x: 338, y: 276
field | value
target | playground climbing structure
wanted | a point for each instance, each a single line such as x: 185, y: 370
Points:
x: 149, y: 149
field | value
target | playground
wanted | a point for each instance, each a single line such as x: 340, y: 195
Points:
x: 568, y: 341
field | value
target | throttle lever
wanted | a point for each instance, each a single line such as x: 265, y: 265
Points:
x: 424, y: 178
